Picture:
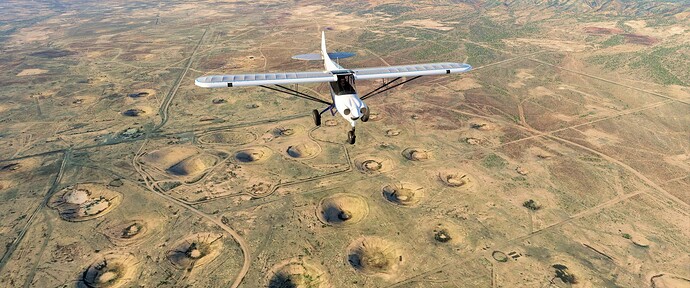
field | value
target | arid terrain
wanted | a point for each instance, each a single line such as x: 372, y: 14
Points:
x: 561, y: 160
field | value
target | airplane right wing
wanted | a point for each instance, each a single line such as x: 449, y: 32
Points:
x: 216, y: 81
x: 410, y: 70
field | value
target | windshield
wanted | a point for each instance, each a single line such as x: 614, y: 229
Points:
x: 344, y: 85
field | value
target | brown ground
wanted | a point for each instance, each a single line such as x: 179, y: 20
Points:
x: 560, y: 149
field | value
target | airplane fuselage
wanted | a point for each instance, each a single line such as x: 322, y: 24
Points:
x: 350, y: 107
x: 346, y: 100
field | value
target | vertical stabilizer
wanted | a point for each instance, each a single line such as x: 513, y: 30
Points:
x: 327, y: 62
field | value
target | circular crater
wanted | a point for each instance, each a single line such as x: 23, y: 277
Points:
x: 252, y: 155
x: 297, y: 273
x: 372, y: 165
x: 193, y: 166
x: 234, y: 138
x: 499, y: 256
x: 85, y: 201
x: 416, y: 154
x: 287, y: 130
x: 137, y: 111
x: 473, y: 141
x: 196, y: 250
x: 374, y: 256
x: 330, y: 123
x: 111, y: 270
x: 446, y: 233
x: 76, y: 196
x: 303, y: 150
x: 640, y: 240
x: 127, y: 232
x: 482, y: 125
x: 455, y: 179
x: 403, y: 194
x: 342, y: 208
x: 393, y: 132
x: 375, y: 116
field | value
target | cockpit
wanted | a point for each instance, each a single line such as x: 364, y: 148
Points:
x: 344, y: 85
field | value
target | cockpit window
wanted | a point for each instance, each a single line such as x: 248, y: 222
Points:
x: 344, y: 85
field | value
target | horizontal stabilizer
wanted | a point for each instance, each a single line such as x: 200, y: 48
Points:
x: 317, y: 56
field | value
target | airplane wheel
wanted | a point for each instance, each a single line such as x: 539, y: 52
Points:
x: 317, y: 117
x: 365, y: 117
x: 351, y: 137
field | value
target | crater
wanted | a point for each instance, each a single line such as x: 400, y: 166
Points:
x: 304, y: 150
x: 195, y: 250
x: 393, y: 132
x: 473, y: 141
x: 110, y: 270
x: 446, y: 233
x: 76, y: 196
x: 374, y: 256
x: 85, y: 201
x: 403, y: 194
x: 455, y: 179
x: 127, y: 233
x: 499, y: 256
x: 330, y: 123
x: 416, y: 154
x: 287, y: 130
x: 482, y: 126
x: 372, y: 165
x: 233, y: 138
x: 143, y: 93
x: 297, y: 273
x: 375, y: 116
x: 252, y: 155
x: 193, y: 166
x: 342, y: 208
x: 137, y: 111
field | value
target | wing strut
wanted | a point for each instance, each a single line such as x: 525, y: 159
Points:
x: 293, y: 92
x: 376, y: 91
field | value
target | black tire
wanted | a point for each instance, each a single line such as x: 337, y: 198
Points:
x: 365, y: 117
x: 351, y: 137
x: 317, y: 117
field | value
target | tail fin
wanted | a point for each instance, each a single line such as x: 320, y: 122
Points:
x: 327, y: 62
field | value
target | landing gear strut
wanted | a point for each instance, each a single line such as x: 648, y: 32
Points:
x: 351, y: 136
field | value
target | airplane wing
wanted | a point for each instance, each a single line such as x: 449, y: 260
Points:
x: 410, y: 70
x: 216, y: 81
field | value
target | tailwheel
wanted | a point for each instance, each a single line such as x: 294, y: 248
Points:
x: 351, y: 137
x: 317, y: 117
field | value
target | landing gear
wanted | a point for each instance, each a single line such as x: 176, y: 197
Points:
x: 351, y: 136
x: 365, y: 116
x: 316, y: 116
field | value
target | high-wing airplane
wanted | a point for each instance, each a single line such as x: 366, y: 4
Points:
x: 344, y: 97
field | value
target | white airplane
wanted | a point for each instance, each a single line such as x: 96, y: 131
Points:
x: 344, y: 97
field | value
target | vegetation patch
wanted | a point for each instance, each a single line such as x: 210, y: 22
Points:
x: 494, y: 161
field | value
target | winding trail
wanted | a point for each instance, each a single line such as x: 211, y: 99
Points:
x: 236, y: 236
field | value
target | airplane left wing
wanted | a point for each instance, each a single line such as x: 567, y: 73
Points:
x: 410, y: 70
x: 216, y: 81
